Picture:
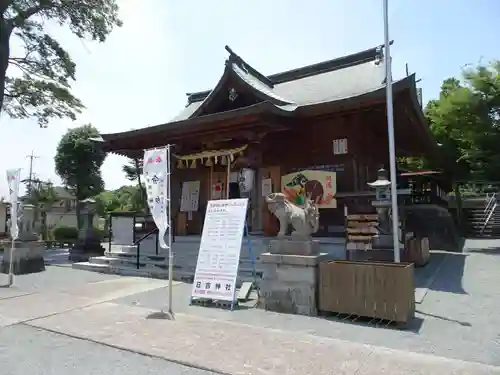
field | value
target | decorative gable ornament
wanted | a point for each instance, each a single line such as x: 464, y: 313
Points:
x: 233, y: 95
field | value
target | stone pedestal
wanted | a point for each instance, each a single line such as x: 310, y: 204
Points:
x: 290, y: 283
x: 27, y: 257
x: 292, y: 246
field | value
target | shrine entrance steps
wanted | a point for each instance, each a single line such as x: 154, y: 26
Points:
x: 123, y: 260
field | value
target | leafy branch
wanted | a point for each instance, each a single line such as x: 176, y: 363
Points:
x: 41, y: 80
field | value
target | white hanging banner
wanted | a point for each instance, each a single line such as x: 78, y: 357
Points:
x: 13, y: 179
x: 156, y: 170
x: 220, y: 247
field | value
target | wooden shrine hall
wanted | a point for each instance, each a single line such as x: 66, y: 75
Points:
x: 327, y: 120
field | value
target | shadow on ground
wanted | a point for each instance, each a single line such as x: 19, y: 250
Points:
x: 486, y: 250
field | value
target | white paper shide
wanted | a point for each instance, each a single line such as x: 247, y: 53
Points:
x: 156, y: 170
x: 220, y: 247
x: 13, y: 179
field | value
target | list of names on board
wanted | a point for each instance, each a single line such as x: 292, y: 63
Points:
x: 220, y: 246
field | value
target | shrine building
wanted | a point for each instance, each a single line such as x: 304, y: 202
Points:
x: 322, y: 128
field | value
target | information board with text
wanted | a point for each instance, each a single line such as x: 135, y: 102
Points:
x: 220, y: 247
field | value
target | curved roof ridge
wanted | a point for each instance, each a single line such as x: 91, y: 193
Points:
x: 260, y: 88
x: 371, y: 54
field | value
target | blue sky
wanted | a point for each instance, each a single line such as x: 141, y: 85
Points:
x: 166, y: 48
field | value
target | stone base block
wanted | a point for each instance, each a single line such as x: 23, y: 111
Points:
x: 290, y: 246
x: 76, y: 255
x: 289, y: 283
x: 27, y: 258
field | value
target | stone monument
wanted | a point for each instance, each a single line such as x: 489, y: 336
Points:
x: 88, y: 243
x: 290, y: 277
x: 27, y: 252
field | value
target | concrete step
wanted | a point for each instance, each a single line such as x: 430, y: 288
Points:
x: 157, y: 273
x: 245, y: 264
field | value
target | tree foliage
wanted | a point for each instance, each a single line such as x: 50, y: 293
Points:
x: 40, y: 85
x: 78, y: 163
x: 133, y: 172
x: 465, y: 120
x: 124, y: 199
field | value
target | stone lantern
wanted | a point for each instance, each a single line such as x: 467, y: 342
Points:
x: 382, y: 189
x: 382, y: 204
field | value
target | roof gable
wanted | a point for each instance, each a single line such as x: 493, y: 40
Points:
x: 240, y: 86
x: 335, y: 79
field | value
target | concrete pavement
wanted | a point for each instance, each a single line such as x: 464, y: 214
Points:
x: 235, y: 348
x: 76, y: 312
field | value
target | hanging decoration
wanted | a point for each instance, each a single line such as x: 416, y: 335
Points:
x: 213, y: 157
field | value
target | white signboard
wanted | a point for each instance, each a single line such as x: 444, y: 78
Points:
x: 267, y: 187
x: 340, y: 146
x: 190, y: 196
x: 157, y: 171
x: 220, y: 246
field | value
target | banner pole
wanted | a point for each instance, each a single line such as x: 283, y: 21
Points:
x: 11, y: 263
x: 170, y: 253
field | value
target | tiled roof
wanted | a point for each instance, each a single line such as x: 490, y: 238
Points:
x: 332, y: 80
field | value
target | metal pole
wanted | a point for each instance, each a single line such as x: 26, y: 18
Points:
x: 228, y: 157
x: 390, y: 131
x: 11, y: 264
x: 170, y: 253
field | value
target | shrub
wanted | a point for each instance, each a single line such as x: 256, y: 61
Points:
x: 62, y: 233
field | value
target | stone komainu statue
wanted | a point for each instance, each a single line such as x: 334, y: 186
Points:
x: 304, y: 219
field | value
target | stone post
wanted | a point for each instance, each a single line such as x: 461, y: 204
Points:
x: 27, y: 255
x: 290, y: 283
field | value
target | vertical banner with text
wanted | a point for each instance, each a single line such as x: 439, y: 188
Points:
x: 156, y: 171
x: 13, y: 179
x: 220, y: 247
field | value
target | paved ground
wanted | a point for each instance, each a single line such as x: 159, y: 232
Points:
x: 28, y: 350
x: 90, y: 323
x: 458, y: 318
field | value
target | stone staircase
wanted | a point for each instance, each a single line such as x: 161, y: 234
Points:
x: 476, y: 218
x: 122, y: 259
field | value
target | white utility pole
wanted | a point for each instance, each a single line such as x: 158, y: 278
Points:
x: 390, y: 131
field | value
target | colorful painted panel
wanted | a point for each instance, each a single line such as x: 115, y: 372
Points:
x: 319, y: 186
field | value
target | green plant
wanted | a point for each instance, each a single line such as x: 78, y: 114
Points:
x: 63, y: 233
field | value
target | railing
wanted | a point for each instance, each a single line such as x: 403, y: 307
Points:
x: 138, y: 244
x: 490, y: 208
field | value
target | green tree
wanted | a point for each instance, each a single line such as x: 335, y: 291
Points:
x: 78, y: 163
x: 465, y: 120
x: 39, y: 85
x: 133, y: 172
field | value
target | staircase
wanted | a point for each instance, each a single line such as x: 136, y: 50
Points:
x: 123, y: 260
x: 484, y: 219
